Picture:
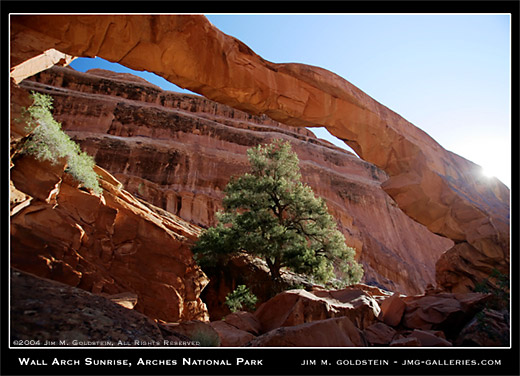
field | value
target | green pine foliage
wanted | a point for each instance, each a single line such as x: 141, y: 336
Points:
x: 268, y: 212
x: 47, y: 141
x: 240, y: 299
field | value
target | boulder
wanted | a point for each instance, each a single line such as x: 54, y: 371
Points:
x: 406, y: 342
x: 454, y: 273
x: 295, y: 307
x: 354, y: 302
x: 392, y: 310
x: 489, y: 328
x: 379, y: 334
x: 430, y: 338
x: 231, y: 336
x: 124, y: 299
x: 39, y: 179
x: 334, y: 332
x: 245, y: 321
x: 443, y: 311
x: 44, y: 310
x: 202, y: 333
x: 379, y: 294
x: 17, y: 199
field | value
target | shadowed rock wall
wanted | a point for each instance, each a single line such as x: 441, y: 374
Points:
x: 107, y: 244
x: 179, y: 151
x: 437, y: 188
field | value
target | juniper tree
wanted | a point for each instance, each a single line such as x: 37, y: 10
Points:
x: 48, y: 142
x: 268, y: 212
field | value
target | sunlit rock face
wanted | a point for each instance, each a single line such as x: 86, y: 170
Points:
x: 108, y: 244
x: 179, y: 151
x: 433, y: 186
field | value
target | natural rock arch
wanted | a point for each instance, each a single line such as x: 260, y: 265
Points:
x: 439, y: 189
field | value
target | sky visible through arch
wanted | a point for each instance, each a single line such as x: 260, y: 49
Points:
x: 449, y: 75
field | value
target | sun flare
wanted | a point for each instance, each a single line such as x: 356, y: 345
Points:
x: 488, y: 172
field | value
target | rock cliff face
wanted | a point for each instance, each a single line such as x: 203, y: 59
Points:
x: 108, y: 244
x: 430, y: 184
x: 179, y: 151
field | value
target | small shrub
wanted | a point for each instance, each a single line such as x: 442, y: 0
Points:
x: 241, y: 298
x: 47, y: 141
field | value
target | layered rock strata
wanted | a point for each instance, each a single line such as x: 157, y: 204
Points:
x: 179, y: 151
x: 108, y: 244
x: 438, y: 188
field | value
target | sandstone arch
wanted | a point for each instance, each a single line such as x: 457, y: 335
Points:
x: 439, y: 189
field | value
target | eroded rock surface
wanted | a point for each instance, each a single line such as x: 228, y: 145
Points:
x: 334, y: 332
x: 107, y: 244
x: 197, y: 331
x: 118, y: 244
x: 44, y: 310
x: 179, y: 151
x: 442, y: 311
x: 295, y: 307
x: 245, y: 321
x: 231, y: 336
x: 437, y: 319
x: 487, y: 329
x: 438, y: 188
x: 379, y: 334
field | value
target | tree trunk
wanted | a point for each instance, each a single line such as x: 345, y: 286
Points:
x: 276, y: 276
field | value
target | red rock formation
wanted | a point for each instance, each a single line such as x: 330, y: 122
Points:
x: 379, y: 334
x: 245, y: 321
x: 296, y: 307
x: 179, y: 151
x: 201, y: 333
x: 442, y: 311
x: 231, y: 336
x: 490, y: 328
x: 432, y: 185
x: 106, y: 245
x: 424, y: 338
x: 436, y: 319
x: 39, y: 63
x: 44, y: 310
x: 335, y: 332
x: 392, y: 310
x: 47, y: 310
x: 406, y: 342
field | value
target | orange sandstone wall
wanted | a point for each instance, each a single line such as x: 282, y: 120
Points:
x: 430, y: 184
x: 179, y: 151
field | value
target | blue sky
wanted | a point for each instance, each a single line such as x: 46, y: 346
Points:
x: 447, y: 74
